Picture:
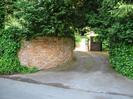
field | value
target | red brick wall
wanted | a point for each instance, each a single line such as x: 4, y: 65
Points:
x: 47, y: 52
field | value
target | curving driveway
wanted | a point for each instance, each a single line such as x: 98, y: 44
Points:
x: 89, y: 76
x: 90, y: 73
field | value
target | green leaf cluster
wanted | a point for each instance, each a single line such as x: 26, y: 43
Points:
x: 9, y: 46
x: 46, y: 17
x: 121, y: 57
x: 113, y: 21
x: 2, y: 13
x: 28, y: 19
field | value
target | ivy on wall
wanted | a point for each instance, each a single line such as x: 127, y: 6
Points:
x: 9, y: 46
x: 31, y: 19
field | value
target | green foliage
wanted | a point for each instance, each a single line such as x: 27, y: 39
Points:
x: 122, y: 10
x: 99, y: 18
x: 113, y: 21
x: 29, y: 19
x: 122, y: 31
x: 105, y: 45
x: 78, y: 38
x: 121, y: 57
x: 46, y: 17
x: 2, y: 13
x: 9, y: 46
x: 121, y: 38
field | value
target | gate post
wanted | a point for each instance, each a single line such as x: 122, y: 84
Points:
x: 94, y: 44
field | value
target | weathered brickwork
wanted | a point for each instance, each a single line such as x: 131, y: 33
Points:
x: 47, y: 52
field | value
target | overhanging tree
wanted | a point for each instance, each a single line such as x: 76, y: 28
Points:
x: 2, y: 13
x: 113, y: 21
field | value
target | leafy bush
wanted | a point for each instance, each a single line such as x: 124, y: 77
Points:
x: 9, y: 46
x: 121, y: 57
x: 105, y: 45
x: 2, y: 14
x: 27, y: 20
x: 46, y: 17
x: 112, y: 19
x: 122, y: 31
x: 77, y: 38
x: 121, y: 39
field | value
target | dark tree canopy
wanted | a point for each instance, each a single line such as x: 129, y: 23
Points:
x: 2, y: 13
